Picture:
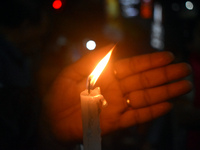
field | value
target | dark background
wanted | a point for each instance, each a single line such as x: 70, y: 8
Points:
x: 59, y: 37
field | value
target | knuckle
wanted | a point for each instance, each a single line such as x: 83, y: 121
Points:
x: 144, y: 80
x: 146, y: 98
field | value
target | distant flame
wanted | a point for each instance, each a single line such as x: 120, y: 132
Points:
x: 99, y: 69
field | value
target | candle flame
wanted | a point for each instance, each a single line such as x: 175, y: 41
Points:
x: 99, y: 68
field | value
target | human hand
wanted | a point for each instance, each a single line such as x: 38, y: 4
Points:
x: 145, y: 80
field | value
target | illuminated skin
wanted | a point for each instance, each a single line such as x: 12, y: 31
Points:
x: 145, y: 80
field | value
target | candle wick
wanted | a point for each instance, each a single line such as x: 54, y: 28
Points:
x: 89, y: 80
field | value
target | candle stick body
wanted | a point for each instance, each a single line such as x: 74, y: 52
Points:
x: 90, y: 106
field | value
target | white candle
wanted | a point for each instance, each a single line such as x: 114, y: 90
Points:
x: 90, y: 105
x: 91, y: 100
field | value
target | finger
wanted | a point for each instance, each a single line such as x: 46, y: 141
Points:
x: 143, y: 98
x: 129, y: 66
x: 155, y: 77
x: 137, y: 116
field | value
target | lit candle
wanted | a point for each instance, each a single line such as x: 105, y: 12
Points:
x: 91, y: 101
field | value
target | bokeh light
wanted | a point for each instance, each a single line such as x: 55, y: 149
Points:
x: 91, y: 45
x: 57, y: 4
x: 189, y: 5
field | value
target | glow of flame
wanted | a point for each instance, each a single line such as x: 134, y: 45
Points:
x: 99, y: 68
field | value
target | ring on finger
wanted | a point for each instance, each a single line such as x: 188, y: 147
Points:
x: 128, y: 102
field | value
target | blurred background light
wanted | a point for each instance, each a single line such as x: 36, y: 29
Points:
x: 146, y: 9
x: 57, y: 4
x: 189, y: 5
x: 157, y: 30
x: 129, y: 2
x: 157, y: 15
x: 61, y: 41
x: 112, y: 8
x: 147, y: 1
x: 91, y: 45
x: 130, y: 11
x: 175, y: 7
x: 129, y: 8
